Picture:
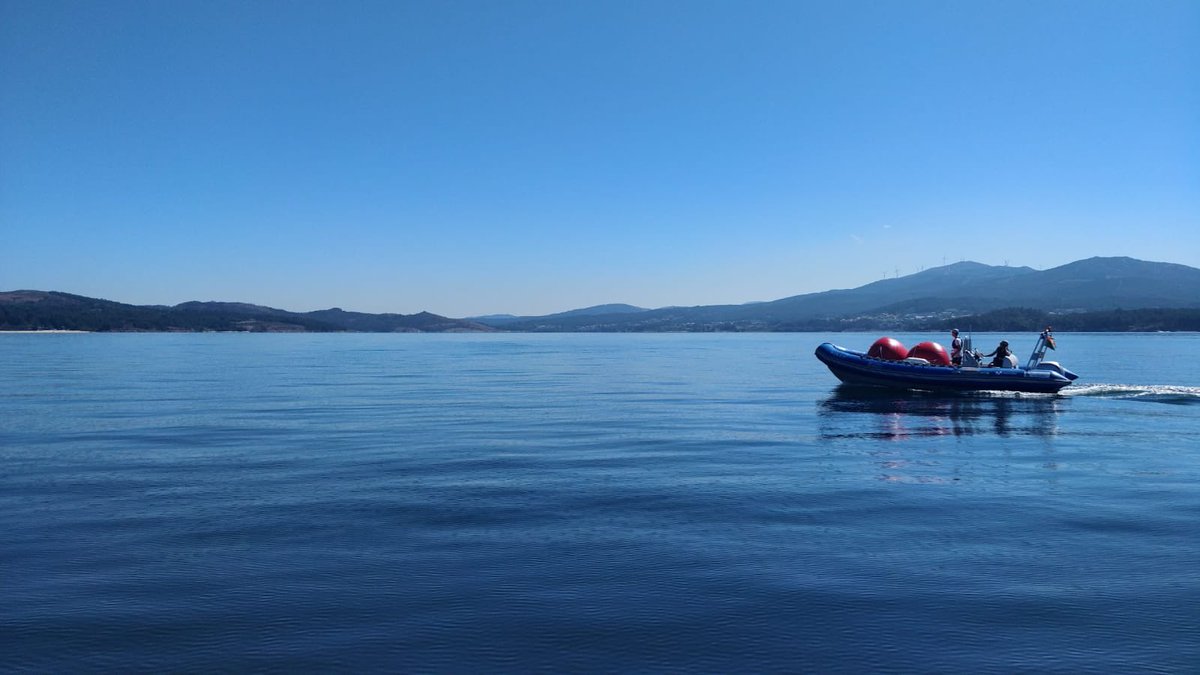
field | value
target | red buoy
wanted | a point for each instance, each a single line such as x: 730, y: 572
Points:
x: 931, y: 352
x: 888, y: 348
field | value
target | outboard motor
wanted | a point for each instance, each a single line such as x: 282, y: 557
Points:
x: 1055, y: 366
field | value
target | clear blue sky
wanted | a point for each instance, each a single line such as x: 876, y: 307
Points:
x: 497, y: 156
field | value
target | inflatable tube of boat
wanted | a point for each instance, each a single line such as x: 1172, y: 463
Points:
x: 889, y: 349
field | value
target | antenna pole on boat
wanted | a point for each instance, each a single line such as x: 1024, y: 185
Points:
x: 1039, y: 349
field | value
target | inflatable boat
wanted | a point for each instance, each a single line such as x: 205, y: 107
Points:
x: 927, y: 367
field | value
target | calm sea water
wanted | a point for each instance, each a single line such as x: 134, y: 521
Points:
x: 614, y: 503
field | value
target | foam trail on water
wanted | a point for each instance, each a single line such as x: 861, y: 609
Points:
x: 1156, y: 393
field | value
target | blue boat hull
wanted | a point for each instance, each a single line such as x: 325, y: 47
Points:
x: 857, y: 368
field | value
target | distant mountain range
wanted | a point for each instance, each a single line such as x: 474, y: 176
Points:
x: 958, y: 290
x: 34, y: 310
x: 598, y: 310
x: 1093, y: 294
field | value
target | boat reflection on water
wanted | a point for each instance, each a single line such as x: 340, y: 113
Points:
x: 886, y: 414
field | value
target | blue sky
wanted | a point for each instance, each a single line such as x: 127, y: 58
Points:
x: 529, y: 157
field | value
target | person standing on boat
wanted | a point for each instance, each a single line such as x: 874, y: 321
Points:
x: 1001, y: 353
x: 1048, y: 336
x: 955, y: 348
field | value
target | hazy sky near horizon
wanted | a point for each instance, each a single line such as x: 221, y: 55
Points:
x: 505, y: 156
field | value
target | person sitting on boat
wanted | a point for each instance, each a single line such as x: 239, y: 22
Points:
x: 955, y: 348
x: 1001, y: 354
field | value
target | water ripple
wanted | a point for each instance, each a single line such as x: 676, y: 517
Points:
x: 580, y: 503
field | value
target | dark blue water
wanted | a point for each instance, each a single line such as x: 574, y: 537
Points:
x: 614, y: 503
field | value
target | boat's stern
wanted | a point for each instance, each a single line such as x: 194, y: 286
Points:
x: 1055, y: 367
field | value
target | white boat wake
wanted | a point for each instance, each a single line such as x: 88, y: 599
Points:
x: 1154, y: 393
